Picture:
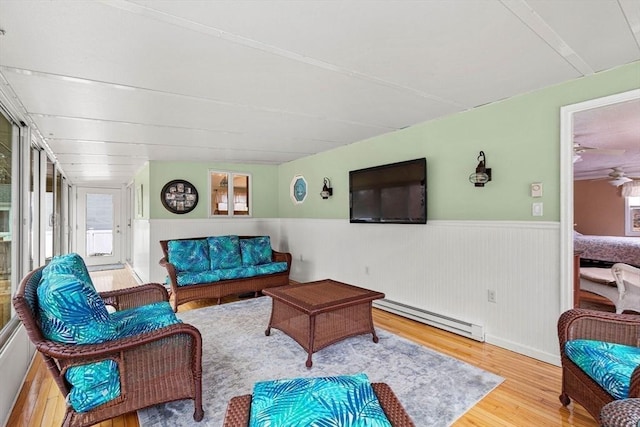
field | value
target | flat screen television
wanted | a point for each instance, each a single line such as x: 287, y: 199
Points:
x: 395, y: 193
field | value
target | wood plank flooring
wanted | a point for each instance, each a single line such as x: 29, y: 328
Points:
x: 527, y: 397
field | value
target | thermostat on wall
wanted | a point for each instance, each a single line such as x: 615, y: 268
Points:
x: 536, y: 189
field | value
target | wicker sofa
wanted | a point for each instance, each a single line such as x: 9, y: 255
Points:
x: 219, y: 266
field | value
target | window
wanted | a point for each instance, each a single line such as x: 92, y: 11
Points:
x: 632, y: 216
x: 230, y: 194
x: 7, y: 211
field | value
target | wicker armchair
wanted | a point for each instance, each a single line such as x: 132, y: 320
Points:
x: 155, y: 367
x: 594, y: 325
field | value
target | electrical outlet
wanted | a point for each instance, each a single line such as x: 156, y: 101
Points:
x: 301, y: 258
x: 491, y: 295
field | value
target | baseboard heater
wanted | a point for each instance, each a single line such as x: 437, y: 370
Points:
x: 450, y: 324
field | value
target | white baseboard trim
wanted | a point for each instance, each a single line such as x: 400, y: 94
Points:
x: 524, y: 350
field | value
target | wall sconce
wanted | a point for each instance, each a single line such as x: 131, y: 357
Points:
x: 327, y: 191
x: 483, y: 174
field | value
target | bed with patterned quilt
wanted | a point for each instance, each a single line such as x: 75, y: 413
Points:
x: 606, y: 250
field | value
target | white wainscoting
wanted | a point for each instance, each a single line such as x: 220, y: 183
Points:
x: 15, y: 360
x: 141, y: 243
x: 445, y: 267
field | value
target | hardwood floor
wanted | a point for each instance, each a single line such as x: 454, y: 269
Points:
x: 527, y: 397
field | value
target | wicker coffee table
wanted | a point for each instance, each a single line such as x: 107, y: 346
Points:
x: 318, y: 314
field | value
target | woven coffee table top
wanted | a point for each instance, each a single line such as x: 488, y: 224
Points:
x: 317, y: 296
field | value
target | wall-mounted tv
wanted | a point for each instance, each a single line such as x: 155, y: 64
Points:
x: 395, y: 193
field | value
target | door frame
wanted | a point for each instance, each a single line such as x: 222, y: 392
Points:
x: 80, y: 245
x: 566, y: 186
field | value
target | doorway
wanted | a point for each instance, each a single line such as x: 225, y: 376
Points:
x: 566, y: 187
x: 99, y: 238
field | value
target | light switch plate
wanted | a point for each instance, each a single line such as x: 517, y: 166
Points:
x: 536, y: 189
x: 536, y: 209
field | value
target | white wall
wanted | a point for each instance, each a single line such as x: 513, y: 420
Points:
x: 444, y: 267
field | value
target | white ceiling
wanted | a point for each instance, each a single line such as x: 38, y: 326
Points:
x: 608, y: 137
x: 111, y: 84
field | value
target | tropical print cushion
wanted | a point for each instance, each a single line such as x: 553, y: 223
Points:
x: 256, y: 251
x: 196, y: 278
x: 71, y: 311
x: 93, y: 384
x: 237, y: 273
x: 608, y: 364
x: 189, y: 255
x: 347, y: 401
x: 68, y: 264
x: 224, y: 252
x: 271, y: 268
x: 143, y: 319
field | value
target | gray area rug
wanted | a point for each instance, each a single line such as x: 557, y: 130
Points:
x: 434, y: 389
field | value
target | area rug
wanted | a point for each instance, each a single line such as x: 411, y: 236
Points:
x: 434, y: 389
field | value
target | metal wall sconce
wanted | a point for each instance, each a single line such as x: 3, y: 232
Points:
x: 483, y: 174
x: 327, y: 191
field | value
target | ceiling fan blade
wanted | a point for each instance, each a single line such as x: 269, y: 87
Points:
x: 610, y: 152
x: 581, y: 149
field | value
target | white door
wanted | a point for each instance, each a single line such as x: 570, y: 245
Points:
x: 99, y: 234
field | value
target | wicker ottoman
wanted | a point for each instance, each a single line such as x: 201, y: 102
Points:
x: 621, y: 413
x: 239, y: 408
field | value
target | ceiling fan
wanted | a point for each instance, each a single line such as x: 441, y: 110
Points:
x: 581, y: 149
x: 618, y: 177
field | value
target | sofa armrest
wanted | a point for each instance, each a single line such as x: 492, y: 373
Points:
x: 282, y: 257
x: 597, y: 325
x: 123, y: 299
x: 173, y: 278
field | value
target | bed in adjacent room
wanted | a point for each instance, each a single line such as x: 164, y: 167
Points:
x: 605, y: 251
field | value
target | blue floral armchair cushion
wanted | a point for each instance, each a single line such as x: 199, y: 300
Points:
x: 71, y: 263
x: 224, y: 252
x: 93, y: 384
x: 256, y: 251
x: 608, y: 364
x: 324, y: 401
x: 143, y: 319
x: 189, y: 255
x: 71, y: 311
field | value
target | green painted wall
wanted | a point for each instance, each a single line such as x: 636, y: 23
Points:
x: 264, y: 182
x: 520, y: 137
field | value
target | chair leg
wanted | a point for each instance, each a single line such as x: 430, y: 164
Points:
x: 198, y: 414
x: 564, y: 399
